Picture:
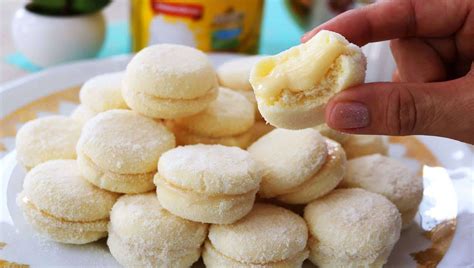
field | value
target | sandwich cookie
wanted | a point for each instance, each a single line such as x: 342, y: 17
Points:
x: 207, y: 183
x: 47, y: 138
x: 388, y: 177
x: 269, y: 236
x: 103, y: 92
x: 169, y: 81
x: 118, y: 150
x: 228, y: 120
x: 143, y: 234
x: 352, y: 228
x: 64, y: 207
x: 298, y: 165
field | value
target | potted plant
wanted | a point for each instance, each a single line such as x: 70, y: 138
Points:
x: 49, y: 32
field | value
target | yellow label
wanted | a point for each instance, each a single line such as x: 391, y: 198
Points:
x: 209, y: 25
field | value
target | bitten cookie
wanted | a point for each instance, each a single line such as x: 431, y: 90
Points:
x: 298, y: 165
x: 64, y: 207
x: 352, y: 228
x: 361, y: 145
x: 143, y: 234
x: 228, y: 120
x: 269, y: 236
x: 169, y: 81
x: 103, y: 92
x: 388, y: 177
x: 207, y: 183
x: 118, y: 150
x: 293, y: 87
x: 47, y: 138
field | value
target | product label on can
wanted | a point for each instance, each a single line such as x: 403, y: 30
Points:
x: 210, y: 25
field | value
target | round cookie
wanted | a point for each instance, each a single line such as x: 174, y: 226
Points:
x: 332, y: 134
x: 230, y: 114
x: 207, y: 183
x: 235, y: 74
x: 269, y: 236
x: 103, y: 92
x: 228, y: 119
x: 47, y: 138
x: 169, y: 81
x: 118, y: 150
x: 324, y: 181
x: 143, y: 234
x: 360, y: 145
x: 64, y: 207
x: 293, y: 87
x: 352, y: 228
x: 288, y: 158
x: 388, y: 177
x: 82, y: 114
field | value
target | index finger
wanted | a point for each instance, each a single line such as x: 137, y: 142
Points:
x: 397, y: 19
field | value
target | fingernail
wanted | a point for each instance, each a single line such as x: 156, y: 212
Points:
x: 349, y: 115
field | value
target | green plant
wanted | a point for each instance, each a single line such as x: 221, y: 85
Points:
x: 66, y: 7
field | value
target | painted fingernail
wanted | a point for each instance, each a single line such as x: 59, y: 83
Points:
x: 349, y: 115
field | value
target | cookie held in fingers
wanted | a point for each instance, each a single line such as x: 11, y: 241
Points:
x: 47, y: 138
x: 292, y: 88
x: 118, y: 150
x: 352, y: 228
x: 207, y: 183
x: 269, y: 236
x: 60, y: 204
x: 143, y: 234
x: 168, y: 81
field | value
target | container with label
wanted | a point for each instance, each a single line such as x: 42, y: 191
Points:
x: 209, y: 25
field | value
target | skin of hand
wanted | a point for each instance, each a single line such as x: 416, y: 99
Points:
x: 433, y: 88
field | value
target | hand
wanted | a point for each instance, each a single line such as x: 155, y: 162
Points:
x: 433, y: 89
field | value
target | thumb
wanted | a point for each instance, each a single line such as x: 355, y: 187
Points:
x: 440, y: 109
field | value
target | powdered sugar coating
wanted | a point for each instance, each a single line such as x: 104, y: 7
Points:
x: 142, y: 221
x: 125, y: 142
x: 267, y: 234
x: 324, y: 181
x: 103, y: 92
x: 210, y: 169
x: 57, y: 187
x: 170, y: 71
x: 47, y: 138
x: 353, y: 228
x: 288, y: 158
x: 386, y: 176
x: 229, y: 114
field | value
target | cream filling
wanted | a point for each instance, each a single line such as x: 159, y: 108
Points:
x: 298, y: 69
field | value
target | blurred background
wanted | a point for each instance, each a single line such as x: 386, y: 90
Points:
x: 38, y: 34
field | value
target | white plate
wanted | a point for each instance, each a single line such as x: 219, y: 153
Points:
x: 23, y: 245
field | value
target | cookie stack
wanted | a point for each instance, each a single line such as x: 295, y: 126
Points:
x: 114, y: 170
